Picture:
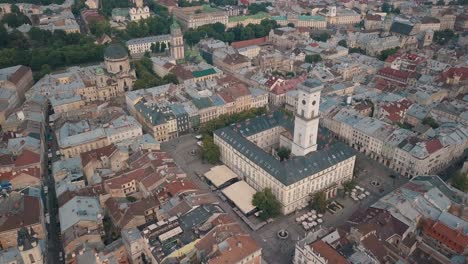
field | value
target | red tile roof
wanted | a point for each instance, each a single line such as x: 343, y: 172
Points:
x: 454, y: 71
x: 240, y: 247
x: 97, y: 154
x: 6, y: 160
x: 327, y: 252
x: 389, y: 72
x: 27, y: 157
x: 250, y: 42
x: 175, y: 188
x: 373, y: 17
x: 433, y: 145
x: 288, y: 85
x: 454, y: 239
x: 25, y: 211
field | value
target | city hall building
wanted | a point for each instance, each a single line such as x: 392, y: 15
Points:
x: 249, y: 149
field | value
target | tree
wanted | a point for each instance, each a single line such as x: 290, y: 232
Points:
x: 323, y: 37
x: 210, y: 150
x: 440, y: 3
x: 163, y: 46
x: 444, y: 36
x: 15, y: 20
x: 349, y: 185
x: 131, y: 199
x: 291, y: 25
x: 388, y: 52
x: 313, y: 58
x: 255, y: 8
x: 319, y: 202
x: 98, y: 28
x: 430, y: 122
x: 460, y: 181
x: 357, y: 50
x: 267, y: 203
x: 343, y: 43
x: 283, y: 153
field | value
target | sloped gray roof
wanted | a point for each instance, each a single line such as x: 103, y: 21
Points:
x: 290, y: 171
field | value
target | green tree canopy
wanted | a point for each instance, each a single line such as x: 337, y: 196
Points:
x: 430, y: 122
x: 319, y: 202
x: 240, y: 32
x: 313, y: 58
x: 343, y: 43
x: 283, y: 153
x: 255, y: 8
x: 388, y: 52
x: 267, y: 203
x: 460, y: 181
x: 323, y: 37
x: 210, y: 150
x: 444, y: 36
x: 98, y: 28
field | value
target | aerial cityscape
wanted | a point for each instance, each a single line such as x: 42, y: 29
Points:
x: 233, y: 131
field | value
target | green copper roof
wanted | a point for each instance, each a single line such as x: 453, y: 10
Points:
x: 175, y: 24
x: 318, y: 18
x: 279, y: 18
x: 120, y: 12
x: 198, y: 74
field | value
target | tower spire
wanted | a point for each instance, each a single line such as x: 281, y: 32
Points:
x: 306, y: 121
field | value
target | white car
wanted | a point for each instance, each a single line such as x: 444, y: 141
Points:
x: 199, y: 137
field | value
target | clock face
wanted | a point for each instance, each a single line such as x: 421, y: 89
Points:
x: 313, y: 102
x: 303, y: 102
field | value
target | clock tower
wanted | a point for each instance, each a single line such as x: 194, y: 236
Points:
x: 306, y: 120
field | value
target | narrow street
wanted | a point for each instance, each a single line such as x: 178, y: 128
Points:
x: 54, y: 244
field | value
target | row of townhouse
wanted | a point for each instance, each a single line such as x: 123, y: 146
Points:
x: 398, y: 148
x: 167, y: 120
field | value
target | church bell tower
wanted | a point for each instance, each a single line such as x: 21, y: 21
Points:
x: 177, y: 41
x: 306, y: 120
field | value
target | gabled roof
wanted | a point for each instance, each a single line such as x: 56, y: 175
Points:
x: 287, y: 172
x: 401, y: 28
x: 27, y: 157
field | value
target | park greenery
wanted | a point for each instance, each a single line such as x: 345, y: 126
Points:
x: 36, y: 2
x: 147, y: 78
x: 430, y: 122
x: 224, y: 2
x: 323, y: 36
x: 384, y: 54
x: 185, y: 3
x: 357, y: 50
x: 218, y: 31
x: 349, y: 185
x: 319, y: 202
x: 444, y: 36
x: 16, y: 18
x: 155, y: 25
x: 387, y: 8
x: 158, y: 47
x: 268, y: 204
x: 460, y: 181
x: 108, y: 5
x: 343, y: 43
x: 209, y: 127
x: 283, y: 153
x: 255, y: 8
x: 211, y: 151
x: 312, y: 58
x: 45, y: 51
